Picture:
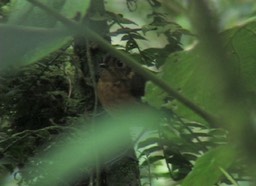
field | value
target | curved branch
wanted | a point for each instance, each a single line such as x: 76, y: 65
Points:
x: 130, y: 61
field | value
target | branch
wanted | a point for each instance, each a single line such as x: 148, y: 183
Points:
x: 130, y: 61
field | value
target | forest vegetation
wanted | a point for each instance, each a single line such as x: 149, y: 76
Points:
x: 193, y: 119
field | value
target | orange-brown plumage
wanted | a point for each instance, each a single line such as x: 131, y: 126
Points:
x: 118, y: 85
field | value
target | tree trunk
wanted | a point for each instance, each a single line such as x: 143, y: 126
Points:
x: 125, y: 171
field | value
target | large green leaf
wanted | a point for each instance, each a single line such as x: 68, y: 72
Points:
x: 240, y: 43
x: 188, y: 72
x: 183, y: 71
x: 108, y: 137
x: 207, y: 169
x: 24, y: 45
x: 31, y: 34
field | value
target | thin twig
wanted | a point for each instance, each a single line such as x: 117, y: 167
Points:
x: 228, y: 176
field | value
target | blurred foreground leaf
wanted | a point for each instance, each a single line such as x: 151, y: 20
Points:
x: 31, y: 34
x: 24, y: 45
x: 106, y: 138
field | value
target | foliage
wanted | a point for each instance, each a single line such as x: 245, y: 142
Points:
x: 41, y: 104
x: 185, y: 71
x: 39, y: 37
x: 38, y: 103
x: 207, y: 168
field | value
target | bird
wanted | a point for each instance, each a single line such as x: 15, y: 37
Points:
x: 118, y: 85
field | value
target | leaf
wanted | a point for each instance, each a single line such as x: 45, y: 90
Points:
x: 118, y: 18
x: 149, y: 141
x: 24, y: 45
x: 206, y: 170
x: 201, y: 134
x: 125, y: 38
x: 190, y: 156
x: 132, y: 36
x: 122, y: 20
x: 240, y: 43
x: 218, y: 132
x: 185, y: 32
x: 150, y: 151
x: 186, y: 72
x: 172, y: 138
x: 24, y: 13
x: 150, y: 160
x: 124, y: 30
x: 196, y: 125
x: 137, y: 36
x: 110, y: 137
x: 147, y: 28
x: 31, y: 34
x: 219, y: 140
x: 178, y: 160
x: 154, y: 96
x: 157, y: 56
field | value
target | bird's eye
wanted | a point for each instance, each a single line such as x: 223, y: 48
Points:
x: 120, y: 64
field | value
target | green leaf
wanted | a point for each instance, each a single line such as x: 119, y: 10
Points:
x: 188, y: 73
x: 24, y: 45
x: 152, y: 159
x: 123, y: 20
x: 132, y: 36
x: 196, y: 125
x: 31, y: 34
x: 150, y: 150
x: 207, y: 168
x: 148, y: 141
x: 24, y: 13
x: 190, y: 156
x: 154, y: 96
x: 108, y: 137
x: 240, y: 43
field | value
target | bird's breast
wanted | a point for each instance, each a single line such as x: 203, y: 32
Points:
x: 114, y: 94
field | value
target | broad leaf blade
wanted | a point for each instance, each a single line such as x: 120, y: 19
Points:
x: 32, y: 34
x: 188, y: 72
x: 109, y: 137
x: 23, y: 45
x: 207, y: 168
